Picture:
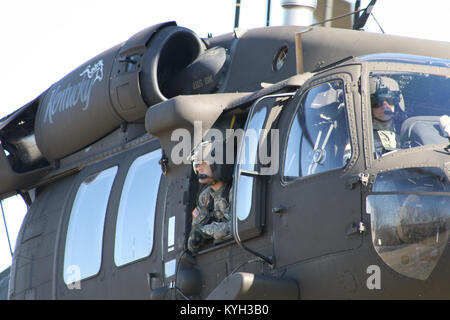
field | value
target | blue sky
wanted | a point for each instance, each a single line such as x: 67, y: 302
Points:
x: 44, y: 40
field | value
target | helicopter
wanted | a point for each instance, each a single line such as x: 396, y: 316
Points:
x: 317, y: 213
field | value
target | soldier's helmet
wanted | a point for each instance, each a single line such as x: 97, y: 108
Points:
x: 213, y: 152
x: 383, y: 88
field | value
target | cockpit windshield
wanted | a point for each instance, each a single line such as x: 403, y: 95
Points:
x: 408, y: 109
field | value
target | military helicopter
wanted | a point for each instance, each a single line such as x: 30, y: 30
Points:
x: 317, y: 212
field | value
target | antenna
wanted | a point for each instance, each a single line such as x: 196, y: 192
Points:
x: 356, y: 9
x: 362, y: 19
x: 236, y: 15
x: 336, y: 18
x: 379, y: 26
x: 268, y: 14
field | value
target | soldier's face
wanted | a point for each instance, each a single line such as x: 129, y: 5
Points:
x: 204, y: 168
x: 384, y: 110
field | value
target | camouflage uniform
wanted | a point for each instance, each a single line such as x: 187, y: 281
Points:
x: 385, y: 138
x: 211, y: 219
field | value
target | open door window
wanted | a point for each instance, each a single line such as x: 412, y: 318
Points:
x: 258, y: 157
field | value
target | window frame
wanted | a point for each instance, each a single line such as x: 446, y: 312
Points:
x: 116, y: 220
x: 386, y: 67
x: 241, y: 169
x: 346, y: 79
x: 82, y: 180
x: 251, y: 225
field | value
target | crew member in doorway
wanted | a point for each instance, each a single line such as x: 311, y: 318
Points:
x: 211, y: 218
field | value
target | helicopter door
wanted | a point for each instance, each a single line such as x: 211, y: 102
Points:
x: 311, y: 204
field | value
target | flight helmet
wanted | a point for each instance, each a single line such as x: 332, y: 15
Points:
x: 214, y: 153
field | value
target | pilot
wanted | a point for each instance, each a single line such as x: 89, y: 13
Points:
x: 385, y: 96
x: 211, y: 218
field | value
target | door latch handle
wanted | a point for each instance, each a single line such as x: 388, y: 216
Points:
x: 363, y: 178
x: 356, y: 228
x: 279, y: 209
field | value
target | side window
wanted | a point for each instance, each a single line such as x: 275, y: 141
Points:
x: 258, y: 157
x: 247, y: 161
x: 83, y: 251
x: 319, y: 139
x: 136, y: 216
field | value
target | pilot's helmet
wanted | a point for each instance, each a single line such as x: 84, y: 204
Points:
x: 384, y: 88
x: 213, y: 152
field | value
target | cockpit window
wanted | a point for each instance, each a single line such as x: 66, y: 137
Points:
x: 319, y: 139
x: 407, y: 110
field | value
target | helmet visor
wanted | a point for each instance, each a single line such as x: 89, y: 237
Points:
x: 384, y: 94
x: 200, y: 153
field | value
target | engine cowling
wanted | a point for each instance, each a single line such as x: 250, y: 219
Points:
x: 120, y: 84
